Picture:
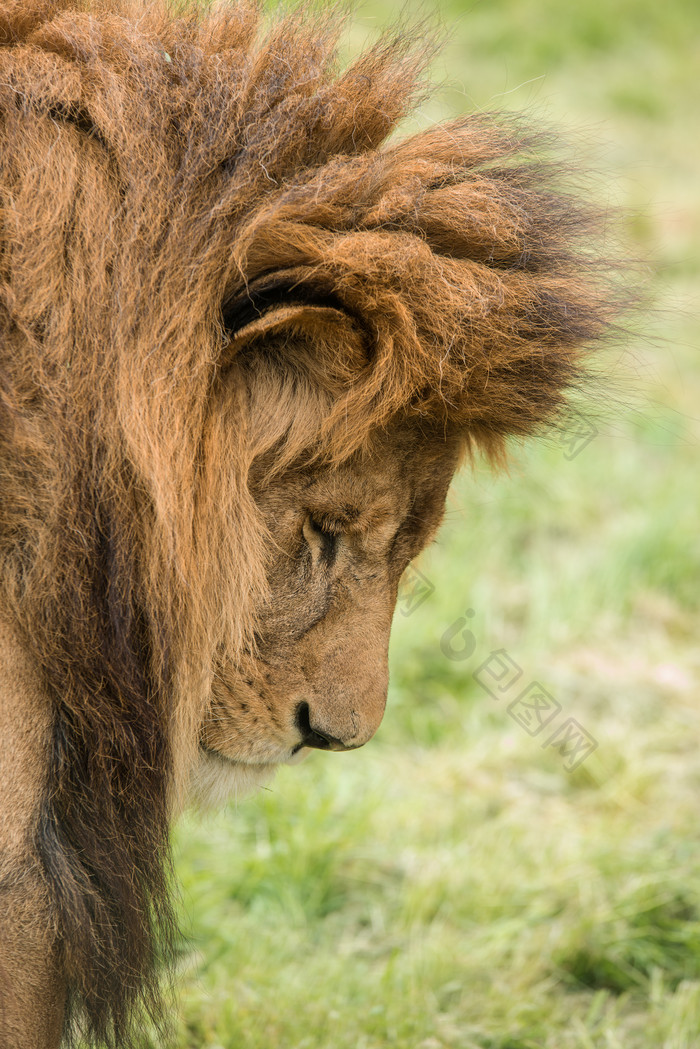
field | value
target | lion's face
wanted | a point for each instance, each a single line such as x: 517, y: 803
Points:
x: 339, y: 540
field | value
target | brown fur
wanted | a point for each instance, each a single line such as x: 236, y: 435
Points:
x: 243, y: 346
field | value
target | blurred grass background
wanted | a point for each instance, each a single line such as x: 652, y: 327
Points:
x: 452, y: 886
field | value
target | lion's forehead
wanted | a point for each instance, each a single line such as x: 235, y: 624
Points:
x: 371, y: 494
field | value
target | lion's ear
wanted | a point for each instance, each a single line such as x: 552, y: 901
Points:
x: 274, y: 301
x: 310, y: 321
x: 312, y: 329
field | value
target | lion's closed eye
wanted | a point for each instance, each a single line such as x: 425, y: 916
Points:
x: 321, y: 539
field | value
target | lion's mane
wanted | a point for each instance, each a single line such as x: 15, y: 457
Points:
x: 165, y: 175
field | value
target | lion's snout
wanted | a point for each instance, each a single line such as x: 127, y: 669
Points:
x: 344, y: 698
x: 317, y: 728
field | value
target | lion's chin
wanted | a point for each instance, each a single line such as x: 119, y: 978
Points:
x: 218, y: 779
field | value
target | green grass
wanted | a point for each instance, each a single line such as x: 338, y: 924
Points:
x: 452, y: 886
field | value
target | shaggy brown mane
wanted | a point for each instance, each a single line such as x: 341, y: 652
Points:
x: 166, y: 177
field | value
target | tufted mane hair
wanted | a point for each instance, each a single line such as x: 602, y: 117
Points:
x: 182, y: 188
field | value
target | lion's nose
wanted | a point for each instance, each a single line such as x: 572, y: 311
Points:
x: 313, y: 736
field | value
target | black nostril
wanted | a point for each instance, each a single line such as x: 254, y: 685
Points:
x: 302, y: 720
x: 310, y: 737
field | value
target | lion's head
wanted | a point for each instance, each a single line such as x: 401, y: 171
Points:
x: 244, y: 346
x: 339, y: 540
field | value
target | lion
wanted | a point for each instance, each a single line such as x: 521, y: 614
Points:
x: 247, y: 340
